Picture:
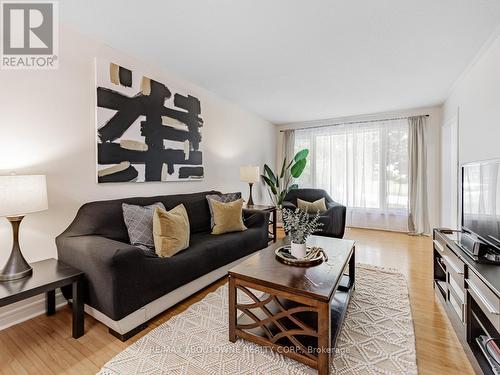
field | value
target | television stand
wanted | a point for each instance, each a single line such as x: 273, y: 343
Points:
x: 470, y: 294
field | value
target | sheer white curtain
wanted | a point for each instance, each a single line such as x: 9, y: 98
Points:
x: 363, y: 166
x: 288, y: 148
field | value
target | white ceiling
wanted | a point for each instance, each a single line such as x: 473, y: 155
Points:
x: 291, y: 60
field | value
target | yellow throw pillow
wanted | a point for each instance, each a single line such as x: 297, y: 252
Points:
x: 312, y: 207
x: 170, y: 230
x: 227, y: 216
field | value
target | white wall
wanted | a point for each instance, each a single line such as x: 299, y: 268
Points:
x: 475, y: 103
x: 449, y: 173
x: 433, y: 147
x: 47, y: 122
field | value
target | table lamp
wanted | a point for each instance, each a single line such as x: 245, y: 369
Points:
x: 20, y: 195
x: 251, y: 175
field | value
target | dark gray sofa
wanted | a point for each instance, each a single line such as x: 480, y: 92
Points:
x: 121, y: 278
x: 333, y: 218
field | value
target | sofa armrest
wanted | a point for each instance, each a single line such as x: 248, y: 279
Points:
x: 255, y: 218
x: 97, y: 249
x: 108, y: 265
x: 333, y: 204
x: 336, y: 213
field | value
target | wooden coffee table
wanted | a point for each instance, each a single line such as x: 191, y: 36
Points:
x: 296, y: 311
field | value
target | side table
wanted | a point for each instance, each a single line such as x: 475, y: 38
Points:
x: 48, y: 275
x: 273, y: 220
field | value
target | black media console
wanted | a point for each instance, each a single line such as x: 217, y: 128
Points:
x: 470, y: 293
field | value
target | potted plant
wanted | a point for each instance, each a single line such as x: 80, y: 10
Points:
x: 298, y: 225
x: 278, y: 185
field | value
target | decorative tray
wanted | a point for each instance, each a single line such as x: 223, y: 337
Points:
x: 314, y: 256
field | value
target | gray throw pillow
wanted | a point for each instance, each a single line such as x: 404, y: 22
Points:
x: 139, y: 222
x: 224, y: 198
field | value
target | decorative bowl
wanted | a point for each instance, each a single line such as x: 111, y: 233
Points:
x: 314, y: 256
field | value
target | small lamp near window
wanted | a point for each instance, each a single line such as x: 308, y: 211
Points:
x: 251, y: 175
x: 20, y: 195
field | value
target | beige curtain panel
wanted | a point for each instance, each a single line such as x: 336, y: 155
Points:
x: 418, y: 215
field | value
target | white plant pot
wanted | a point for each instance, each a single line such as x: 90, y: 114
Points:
x: 298, y: 250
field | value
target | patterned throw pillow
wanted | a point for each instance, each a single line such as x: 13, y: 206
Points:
x: 224, y: 198
x: 139, y: 222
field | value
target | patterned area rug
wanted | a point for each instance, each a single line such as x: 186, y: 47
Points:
x: 377, y: 338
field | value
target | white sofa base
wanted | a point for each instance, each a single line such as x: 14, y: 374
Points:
x: 149, y: 311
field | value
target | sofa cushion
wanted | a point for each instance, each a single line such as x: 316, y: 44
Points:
x: 225, y: 248
x: 312, y: 207
x: 205, y: 254
x: 170, y: 230
x: 228, y: 217
x: 139, y: 222
x: 227, y: 197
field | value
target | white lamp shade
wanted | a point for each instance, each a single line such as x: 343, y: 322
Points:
x: 20, y: 195
x: 249, y: 174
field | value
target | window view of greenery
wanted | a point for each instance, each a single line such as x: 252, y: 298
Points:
x: 362, y: 166
x: 397, y: 169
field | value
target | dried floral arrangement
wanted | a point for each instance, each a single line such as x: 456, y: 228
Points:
x: 299, y: 225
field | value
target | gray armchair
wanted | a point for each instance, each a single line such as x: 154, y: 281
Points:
x: 333, y: 218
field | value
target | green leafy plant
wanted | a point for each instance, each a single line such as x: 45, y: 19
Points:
x: 299, y: 225
x: 278, y: 185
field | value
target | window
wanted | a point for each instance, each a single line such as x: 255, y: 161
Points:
x: 363, y: 166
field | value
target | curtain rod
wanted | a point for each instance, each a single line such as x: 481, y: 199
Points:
x: 353, y: 122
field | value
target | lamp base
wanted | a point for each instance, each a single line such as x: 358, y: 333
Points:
x: 16, y: 276
x: 16, y: 266
x: 250, y: 199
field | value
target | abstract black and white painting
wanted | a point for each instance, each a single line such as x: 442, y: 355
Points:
x: 146, y: 131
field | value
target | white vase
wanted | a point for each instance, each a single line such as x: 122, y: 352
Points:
x: 298, y: 250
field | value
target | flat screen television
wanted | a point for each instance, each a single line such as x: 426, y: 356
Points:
x: 481, y: 200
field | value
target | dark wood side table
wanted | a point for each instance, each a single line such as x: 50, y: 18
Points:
x: 273, y: 219
x: 48, y: 275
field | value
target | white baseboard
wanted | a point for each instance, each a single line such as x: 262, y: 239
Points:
x: 27, y: 309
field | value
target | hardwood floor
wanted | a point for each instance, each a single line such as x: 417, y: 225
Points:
x: 438, y: 348
x: 43, y: 345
